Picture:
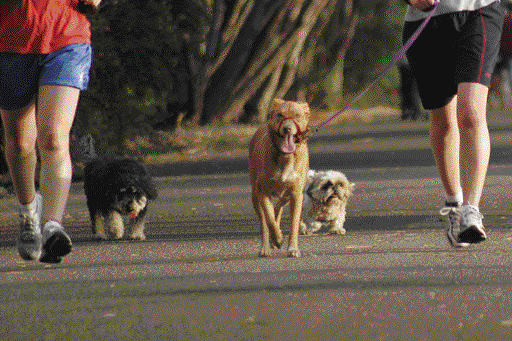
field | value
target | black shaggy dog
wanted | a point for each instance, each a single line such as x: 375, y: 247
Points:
x: 115, y: 187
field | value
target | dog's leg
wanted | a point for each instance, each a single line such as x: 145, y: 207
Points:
x: 115, y: 224
x: 264, y: 232
x: 92, y: 216
x: 337, y: 225
x: 98, y: 226
x: 303, y: 228
x: 313, y: 225
x: 279, y: 209
x: 268, y: 226
x: 273, y: 224
x: 295, y: 213
x: 138, y: 224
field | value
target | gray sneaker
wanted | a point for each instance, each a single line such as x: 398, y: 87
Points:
x: 29, y: 237
x: 56, y: 242
x: 471, y: 228
x: 452, y: 211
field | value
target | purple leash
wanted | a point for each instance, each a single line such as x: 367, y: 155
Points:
x: 395, y: 60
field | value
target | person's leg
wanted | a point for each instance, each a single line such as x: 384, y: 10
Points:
x: 474, y: 140
x: 20, y: 150
x: 20, y: 134
x: 55, y: 115
x: 475, y: 152
x: 444, y: 140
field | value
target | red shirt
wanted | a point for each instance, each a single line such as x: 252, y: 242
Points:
x: 41, y: 26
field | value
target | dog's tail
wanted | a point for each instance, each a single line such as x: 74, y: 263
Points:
x: 86, y: 145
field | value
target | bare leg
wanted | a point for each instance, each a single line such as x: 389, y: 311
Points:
x: 55, y: 115
x: 445, y: 142
x: 20, y: 150
x: 474, y: 140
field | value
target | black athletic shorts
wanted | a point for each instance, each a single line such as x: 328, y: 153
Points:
x: 454, y: 48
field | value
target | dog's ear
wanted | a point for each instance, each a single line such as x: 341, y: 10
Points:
x: 349, y: 189
x: 305, y: 108
x: 276, y: 107
x: 326, y: 185
x: 278, y: 103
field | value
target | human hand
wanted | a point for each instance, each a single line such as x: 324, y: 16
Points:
x: 423, y: 5
x: 94, y: 3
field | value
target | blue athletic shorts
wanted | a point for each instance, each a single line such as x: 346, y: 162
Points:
x: 22, y: 74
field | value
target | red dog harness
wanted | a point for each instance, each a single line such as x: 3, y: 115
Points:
x: 301, y: 135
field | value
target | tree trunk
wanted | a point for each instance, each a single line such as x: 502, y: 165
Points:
x: 250, y: 54
x: 224, y: 78
x: 336, y: 86
x: 279, y: 52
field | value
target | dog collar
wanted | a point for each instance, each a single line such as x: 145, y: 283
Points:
x: 301, y: 135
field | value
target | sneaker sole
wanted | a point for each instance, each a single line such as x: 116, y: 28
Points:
x: 25, y: 255
x: 58, y: 245
x: 454, y: 243
x: 48, y: 258
x: 472, y: 235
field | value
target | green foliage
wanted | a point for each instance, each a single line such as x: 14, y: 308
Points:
x: 377, y: 40
x: 139, y: 67
x: 142, y: 74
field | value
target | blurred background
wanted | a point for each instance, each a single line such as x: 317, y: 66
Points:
x: 181, y: 79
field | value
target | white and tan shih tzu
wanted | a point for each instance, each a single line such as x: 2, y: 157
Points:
x: 325, y: 201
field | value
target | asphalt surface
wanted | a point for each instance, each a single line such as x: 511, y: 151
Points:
x: 393, y: 276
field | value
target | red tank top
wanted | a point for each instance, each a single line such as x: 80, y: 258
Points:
x: 41, y: 26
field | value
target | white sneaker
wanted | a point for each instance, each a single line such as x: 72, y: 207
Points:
x: 29, y: 237
x: 471, y: 228
x: 453, y: 230
x: 56, y: 242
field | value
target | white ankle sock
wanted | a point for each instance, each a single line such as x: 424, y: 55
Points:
x: 457, y: 198
x: 29, y: 208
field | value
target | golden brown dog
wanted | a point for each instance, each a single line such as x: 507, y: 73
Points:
x: 278, y: 167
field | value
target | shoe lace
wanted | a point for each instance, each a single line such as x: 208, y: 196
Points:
x: 471, y: 214
x: 26, y: 223
x: 453, y: 214
x: 27, y: 229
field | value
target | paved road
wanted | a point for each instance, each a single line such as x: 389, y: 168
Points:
x: 198, y: 277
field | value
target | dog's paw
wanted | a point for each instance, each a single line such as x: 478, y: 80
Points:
x: 277, y: 242
x: 100, y: 236
x: 294, y: 253
x: 303, y: 228
x: 265, y: 252
x: 306, y: 232
x: 338, y: 230
x: 138, y: 236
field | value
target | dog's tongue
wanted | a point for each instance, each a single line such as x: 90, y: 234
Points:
x: 133, y: 215
x: 288, y: 144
